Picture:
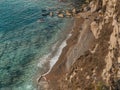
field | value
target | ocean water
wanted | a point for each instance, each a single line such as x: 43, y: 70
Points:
x: 26, y: 34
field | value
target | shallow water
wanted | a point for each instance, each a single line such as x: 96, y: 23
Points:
x: 24, y: 39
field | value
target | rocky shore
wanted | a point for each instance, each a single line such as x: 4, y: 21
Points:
x: 91, y: 59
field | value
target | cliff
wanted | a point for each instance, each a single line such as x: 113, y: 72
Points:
x: 91, y: 59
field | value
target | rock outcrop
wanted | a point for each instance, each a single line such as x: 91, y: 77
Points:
x: 99, y: 67
x: 91, y: 59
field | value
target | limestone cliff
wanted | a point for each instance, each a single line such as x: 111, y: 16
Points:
x: 98, y: 67
x: 91, y: 59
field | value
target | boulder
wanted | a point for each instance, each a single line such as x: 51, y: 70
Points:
x: 61, y: 15
x: 94, y: 29
x: 74, y: 11
x: 68, y: 13
x: 45, y: 14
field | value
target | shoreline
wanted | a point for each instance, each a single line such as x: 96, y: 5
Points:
x: 55, y: 58
x: 73, y: 35
x: 78, y: 43
x: 61, y: 66
x: 57, y: 46
x: 52, y: 57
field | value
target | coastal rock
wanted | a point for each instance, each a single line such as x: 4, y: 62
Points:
x: 86, y: 9
x: 68, y: 13
x: 61, y: 15
x: 91, y: 59
x: 94, y: 29
x: 51, y: 14
x: 45, y: 14
x: 95, y: 5
x: 41, y: 20
x: 88, y: 77
x: 44, y: 10
x: 74, y: 11
x: 58, y: 12
x: 118, y: 19
x: 87, y: 1
x: 118, y: 59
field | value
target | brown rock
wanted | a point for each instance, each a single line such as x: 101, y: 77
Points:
x: 118, y: 19
x: 88, y: 77
x: 94, y: 29
x: 118, y: 59
x: 61, y: 15
x: 68, y: 13
x: 74, y: 11
x: 86, y: 9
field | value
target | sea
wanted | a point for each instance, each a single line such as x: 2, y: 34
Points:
x: 27, y: 34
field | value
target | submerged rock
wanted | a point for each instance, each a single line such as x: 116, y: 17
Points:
x: 51, y: 14
x: 45, y: 14
x: 41, y: 20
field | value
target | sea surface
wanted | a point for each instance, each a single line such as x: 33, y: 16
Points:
x: 27, y: 33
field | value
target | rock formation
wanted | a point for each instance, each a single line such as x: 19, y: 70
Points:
x: 91, y: 59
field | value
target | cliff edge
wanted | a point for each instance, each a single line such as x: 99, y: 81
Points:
x: 91, y: 59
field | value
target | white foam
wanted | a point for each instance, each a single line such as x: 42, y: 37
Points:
x: 28, y: 87
x: 55, y: 58
x: 43, y: 60
x: 46, y: 57
x: 57, y: 55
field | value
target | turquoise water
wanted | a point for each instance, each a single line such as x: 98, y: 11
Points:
x: 24, y: 39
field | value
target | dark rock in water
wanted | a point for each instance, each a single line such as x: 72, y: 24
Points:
x: 41, y: 20
x: 51, y: 26
x: 44, y: 10
x: 45, y: 14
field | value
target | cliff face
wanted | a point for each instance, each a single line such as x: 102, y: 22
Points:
x: 95, y: 58
x: 91, y: 59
